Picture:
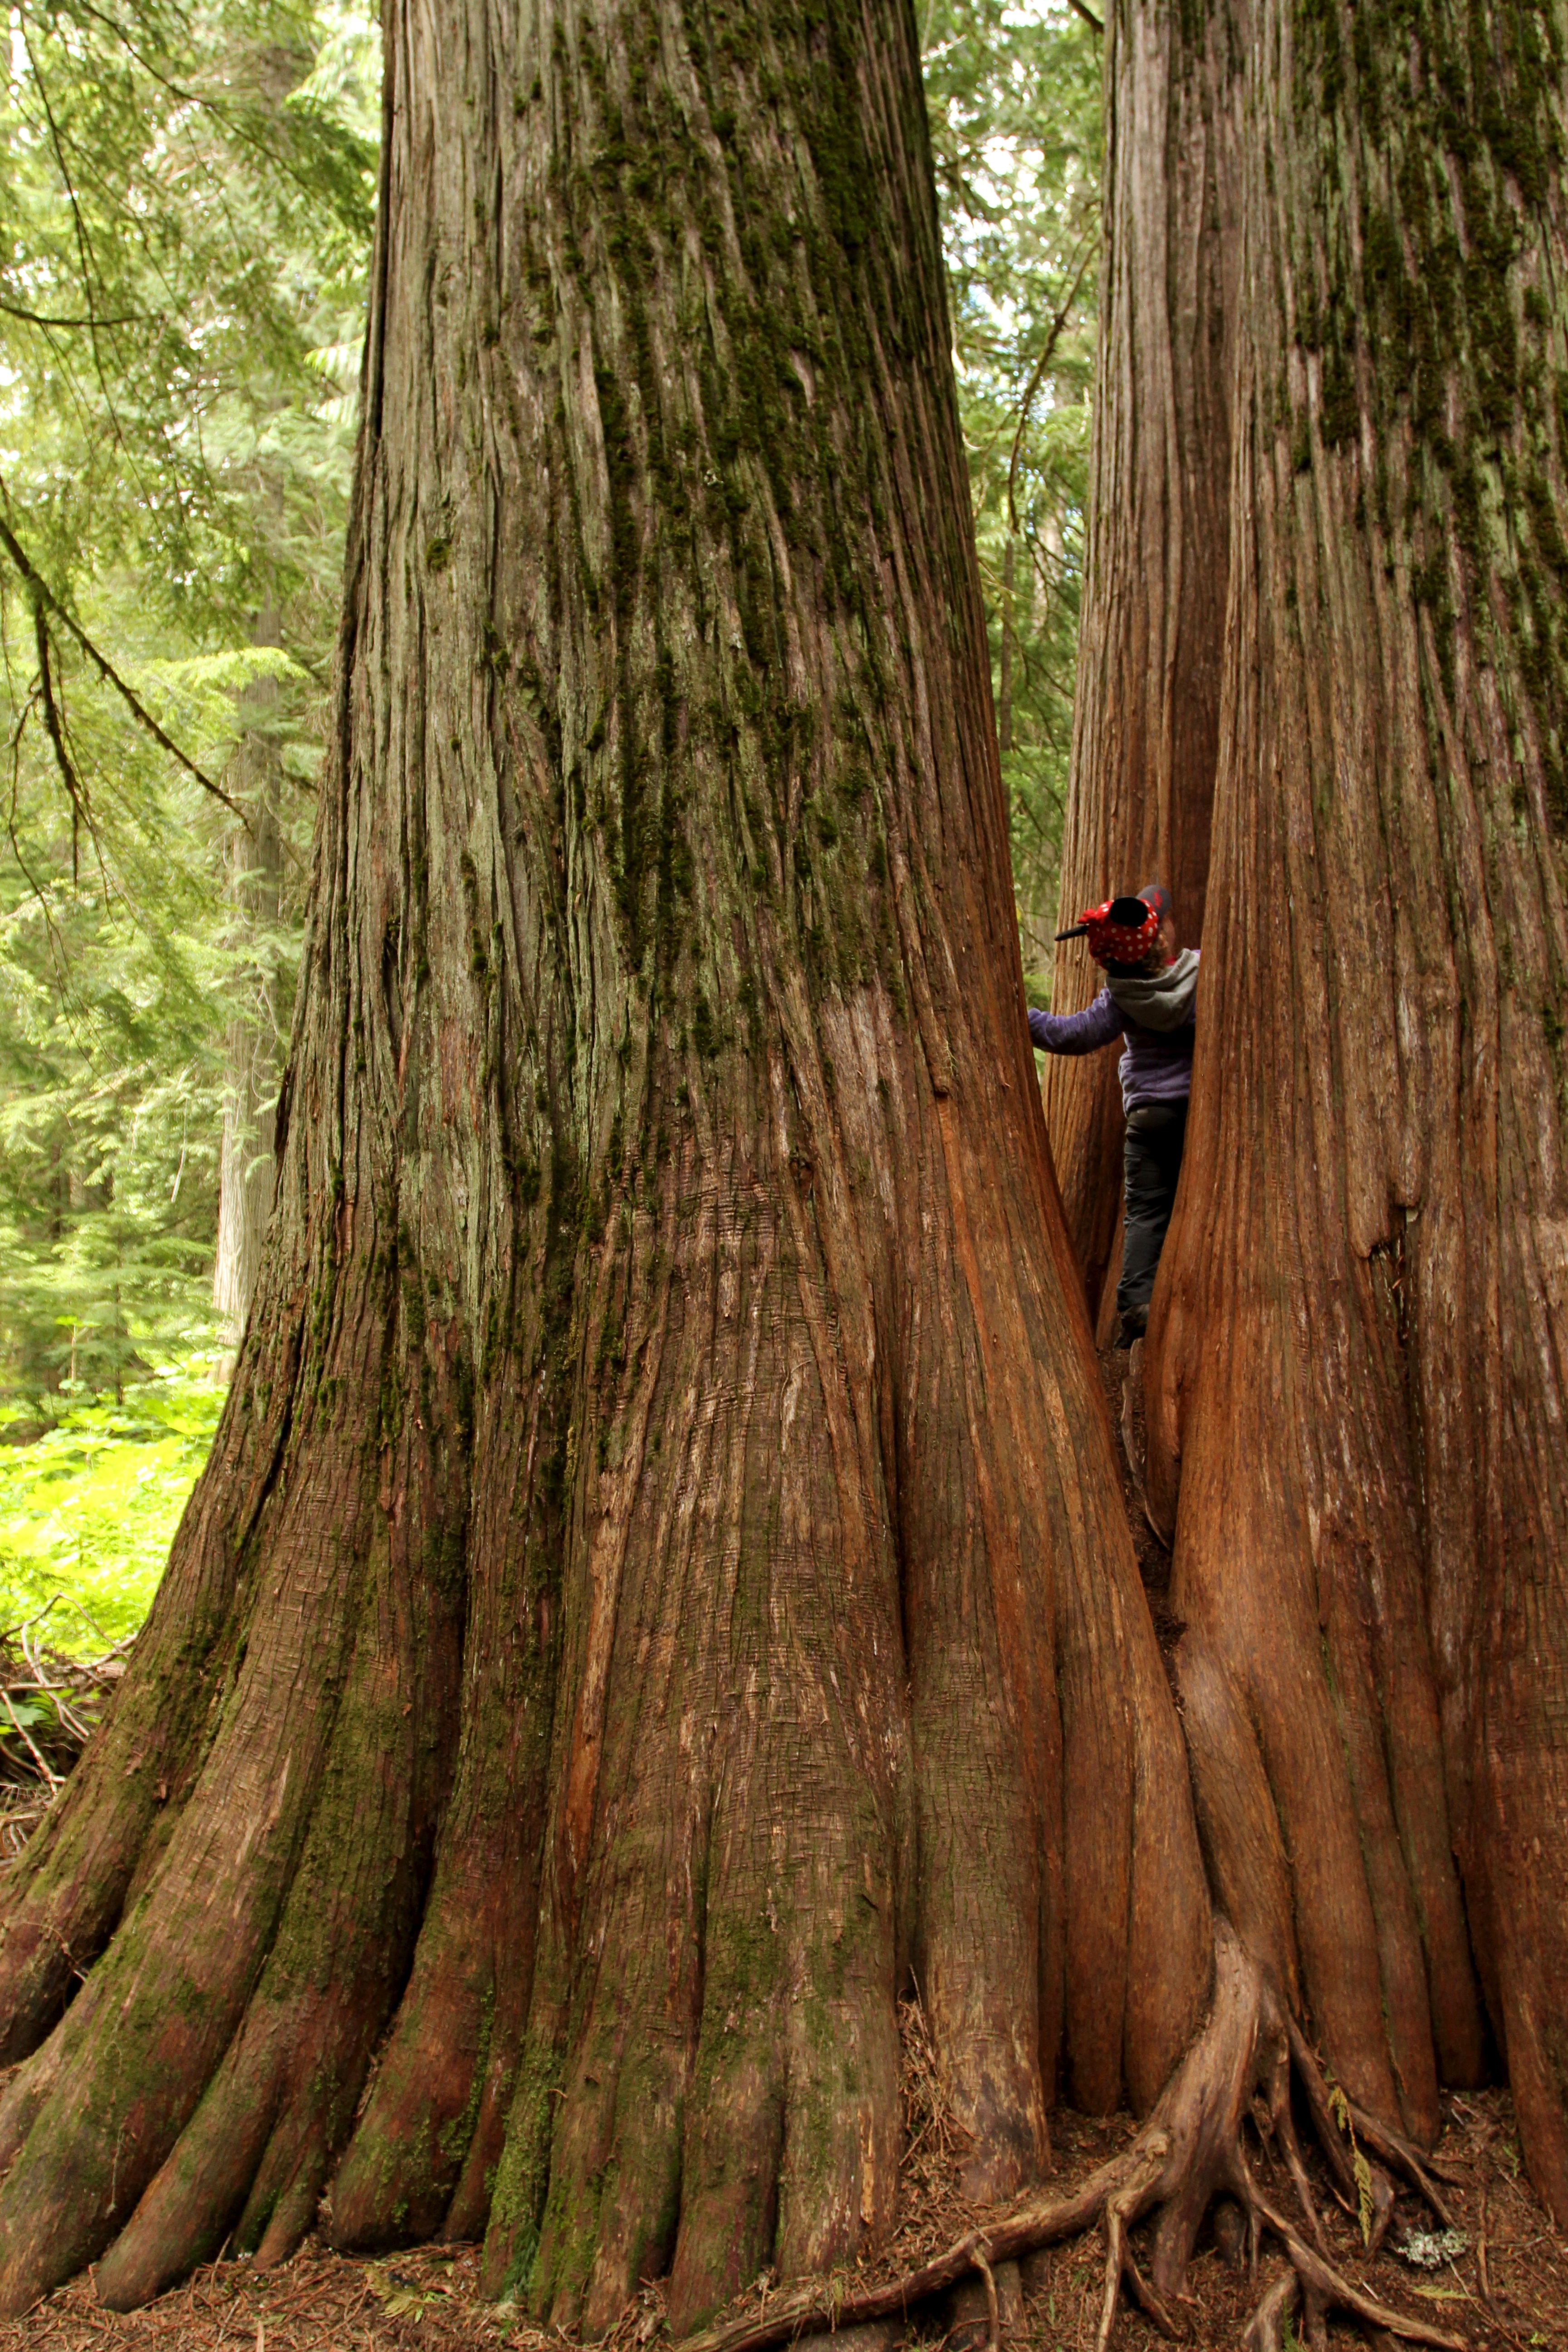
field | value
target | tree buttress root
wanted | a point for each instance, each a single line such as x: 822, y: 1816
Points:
x: 1188, y: 2151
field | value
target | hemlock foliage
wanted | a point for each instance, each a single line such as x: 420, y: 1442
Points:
x: 1014, y: 97
x: 186, y: 203
x: 186, y: 189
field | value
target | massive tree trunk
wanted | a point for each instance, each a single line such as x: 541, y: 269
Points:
x: 1359, y: 1343
x: 255, y: 1061
x: 1147, y: 713
x: 660, y: 1579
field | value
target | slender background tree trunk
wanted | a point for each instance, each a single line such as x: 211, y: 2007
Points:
x: 1146, y: 716
x: 662, y: 1585
x: 1359, y: 1345
x: 1004, y: 684
x: 255, y: 1054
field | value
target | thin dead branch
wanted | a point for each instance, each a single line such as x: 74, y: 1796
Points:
x: 43, y: 318
x: 1037, y: 372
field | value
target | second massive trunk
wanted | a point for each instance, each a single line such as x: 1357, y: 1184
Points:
x: 661, y: 1585
x: 1360, y: 1340
x: 1146, y: 717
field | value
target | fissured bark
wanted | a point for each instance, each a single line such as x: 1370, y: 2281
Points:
x: 1146, y: 717
x: 662, y: 1579
x: 1360, y: 1335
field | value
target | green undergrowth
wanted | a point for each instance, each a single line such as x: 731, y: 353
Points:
x: 89, y: 1506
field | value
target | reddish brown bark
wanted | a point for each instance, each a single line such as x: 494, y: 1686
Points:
x: 662, y: 1578
x: 1359, y: 1347
x: 1146, y: 717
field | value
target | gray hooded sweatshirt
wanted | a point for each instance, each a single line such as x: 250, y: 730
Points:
x: 1154, y: 1012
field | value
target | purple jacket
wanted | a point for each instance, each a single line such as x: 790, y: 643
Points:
x: 1156, y: 1065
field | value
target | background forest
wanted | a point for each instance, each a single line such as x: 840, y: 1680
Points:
x: 185, y: 206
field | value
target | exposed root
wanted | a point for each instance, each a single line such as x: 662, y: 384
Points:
x: 1400, y: 2154
x: 1324, y: 2289
x: 992, y: 2310
x: 1121, y: 2270
x: 1189, y: 2151
x: 1266, y: 2329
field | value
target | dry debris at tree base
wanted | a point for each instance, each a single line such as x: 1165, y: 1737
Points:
x: 1506, y: 2291
x: 1189, y: 2153
x: 49, y: 1706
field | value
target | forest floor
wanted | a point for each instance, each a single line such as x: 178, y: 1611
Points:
x: 1505, y: 2290
x: 1498, y: 2283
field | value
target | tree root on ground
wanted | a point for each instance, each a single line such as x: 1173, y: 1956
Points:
x: 1319, y: 2289
x: 1188, y: 2151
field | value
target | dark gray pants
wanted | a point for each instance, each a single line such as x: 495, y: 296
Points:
x: 1151, y: 1157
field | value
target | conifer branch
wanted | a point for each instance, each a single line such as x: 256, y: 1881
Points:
x: 44, y: 597
x: 41, y: 319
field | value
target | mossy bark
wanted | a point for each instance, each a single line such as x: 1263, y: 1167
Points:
x: 1358, y: 1351
x: 662, y: 1578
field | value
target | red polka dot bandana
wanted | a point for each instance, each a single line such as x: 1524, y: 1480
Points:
x: 1120, y: 931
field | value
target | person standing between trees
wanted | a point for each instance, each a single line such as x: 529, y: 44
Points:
x: 1148, y: 1000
